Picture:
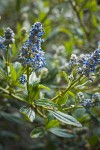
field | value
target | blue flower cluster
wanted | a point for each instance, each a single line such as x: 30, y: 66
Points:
x: 31, y: 52
x: 7, y: 39
x: 2, y: 46
x: 9, y: 36
x: 22, y: 79
x: 86, y: 63
x: 96, y: 99
x: 86, y: 102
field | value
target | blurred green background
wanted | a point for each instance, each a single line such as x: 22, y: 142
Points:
x: 71, y: 26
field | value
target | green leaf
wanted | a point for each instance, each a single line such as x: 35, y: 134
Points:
x: 13, y: 73
x: 37, y: 132
x: 9, y: 134
x: 62, y: 100
x: 66, y: 76
x: 19, y: 69
x: 62, y: 132
x: 43, y: 87
x: 65, y: 118
x: 28, y: 112
x: 33, y: 80
x: 14, y: 50
x: 19, y: 85
x: 11, y: 117
x: 19, y: 72
x: 52, y: 123
x: 45, y: 103
x: 2, y: 75
x: 72, y: 94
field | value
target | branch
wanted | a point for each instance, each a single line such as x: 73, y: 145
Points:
x: 64, y: 91
x: 13, y: 96
x: 79, y: 18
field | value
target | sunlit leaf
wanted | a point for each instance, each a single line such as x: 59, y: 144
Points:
x: 72, y: 94
x: 62, y: 100
x: 45, y: 103
x: 43, y: 87
x: 2, y: 75
x: 37, y: 132
x: 28, y: 112
x: 65, y: 76
x: 52, y: 124
x: 65, y: 118
x: 13, y: 73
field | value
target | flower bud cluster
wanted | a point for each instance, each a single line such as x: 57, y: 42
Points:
x: 80, y: 95
x: 7, y: 39
x: 86, y: 63
x: 31, y: 52
x: 73, y: 59
x: 86, y: 102
x: 9, y: 36
x: 22, y: 79
x: 96, y: 98
x: 23, y: 31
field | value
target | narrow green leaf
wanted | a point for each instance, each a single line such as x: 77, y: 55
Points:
x: 14, y: 50
x: 65, y: 118
x: 62, y: 132
x: 11, y: 117
x: 33, y: 80
x: 19, y: 72
x: 2, y: 75
x: 62, y: 100
x: 9, y: 134
x: 19, y: 85
x: 43, y: 87
x: 28, y: 112
x: 52, y: 124
x: 37, y: 132
x: 13, y: 73
x: 45, y: 103
x: 71, y: 93
x: 66, y: 76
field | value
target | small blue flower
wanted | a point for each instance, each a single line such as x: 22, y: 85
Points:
x: 86, y: 103
x: 22, y: 79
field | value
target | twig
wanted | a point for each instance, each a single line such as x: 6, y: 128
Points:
x: 64, y: 91
x: 79, y: 18
x: 13, y: 96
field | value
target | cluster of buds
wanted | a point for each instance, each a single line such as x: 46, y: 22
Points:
x: 86, y: 102
x: 9, y: 36
x: 22, y: 79
x: 7, y: 39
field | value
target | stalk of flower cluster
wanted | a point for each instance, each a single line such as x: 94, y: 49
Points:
x: 7, y: 59
x: 8, y: 39
x: 67, y: 89
x: 31, y: 56
x: 28, y: 79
